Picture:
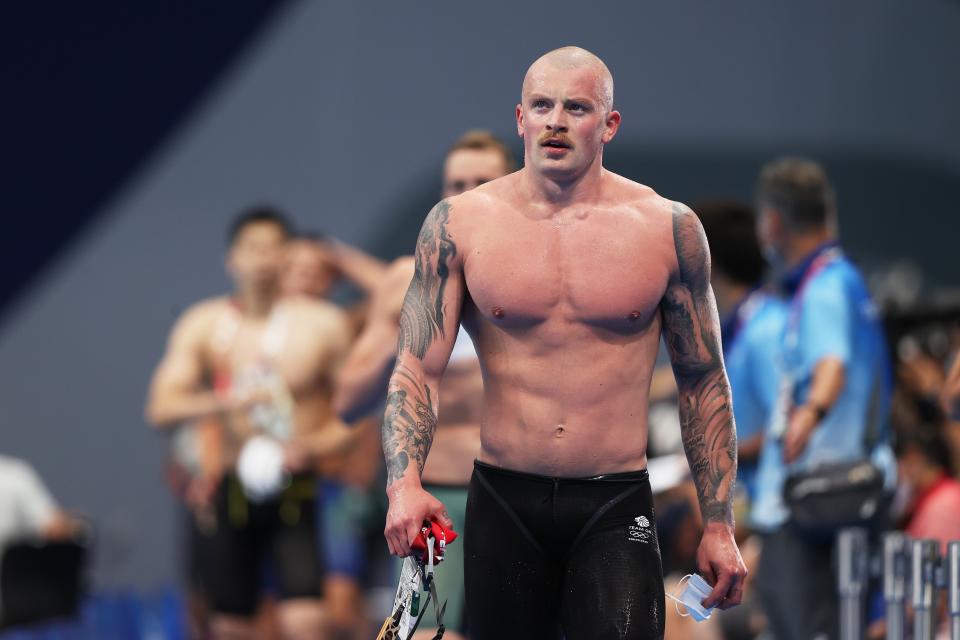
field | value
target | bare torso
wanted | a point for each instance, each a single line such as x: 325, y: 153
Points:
x: 296, y: 347
x: 457, y: 441
x: 563, y: 306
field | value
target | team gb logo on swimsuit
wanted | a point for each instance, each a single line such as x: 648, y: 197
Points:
x: 641, y: 531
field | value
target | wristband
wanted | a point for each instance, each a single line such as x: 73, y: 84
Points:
x: 819, y: 411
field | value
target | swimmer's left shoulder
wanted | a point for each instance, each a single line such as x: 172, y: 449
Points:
x: 641, y: 200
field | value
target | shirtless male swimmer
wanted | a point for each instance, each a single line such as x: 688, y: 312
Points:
x: 262, y: 367
x: 565, y: 275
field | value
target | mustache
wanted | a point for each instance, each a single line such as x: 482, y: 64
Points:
x: 555, y: 137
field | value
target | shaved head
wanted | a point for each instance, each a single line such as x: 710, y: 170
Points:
x: 574, y: 58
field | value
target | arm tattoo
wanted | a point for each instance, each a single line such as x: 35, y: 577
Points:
x: 422, y: 315
x: 410, y: 420
x: 691, y: 331
x: 409, y: 423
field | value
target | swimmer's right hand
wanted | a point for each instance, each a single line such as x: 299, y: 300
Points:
x: 242, y: 400
x: 410, y: 506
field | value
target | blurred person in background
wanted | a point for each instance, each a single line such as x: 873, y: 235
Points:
x: 476, y: 158
x: 925, y: 468
x: 950, y: 394
x: 752, y: 321
x: 28, y: 512
x: 751, y: 326
x: 260, y: 367
x: 835, y: 390
x: 932, y: 509
x: 349, y: 501
x: 315, y: 264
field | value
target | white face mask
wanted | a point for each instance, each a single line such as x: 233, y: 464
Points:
x: 692, y: 597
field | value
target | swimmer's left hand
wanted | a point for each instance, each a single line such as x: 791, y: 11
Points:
x: 720, y: 564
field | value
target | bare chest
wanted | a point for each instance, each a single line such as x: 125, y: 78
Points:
x: 595, y: 270
x: 253, y: 352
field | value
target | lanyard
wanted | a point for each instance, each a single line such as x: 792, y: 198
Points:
x: 784, y: 403
x: 821, y: 262
x: 740, y: 316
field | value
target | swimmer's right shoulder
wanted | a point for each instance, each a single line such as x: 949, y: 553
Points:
x: 484, y: 197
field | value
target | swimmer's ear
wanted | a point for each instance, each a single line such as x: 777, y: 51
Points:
x: 612, y: 125
x: 520, y: 120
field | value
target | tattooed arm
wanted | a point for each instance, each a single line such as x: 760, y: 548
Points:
x: 692, y: 334
x: 428, y: 329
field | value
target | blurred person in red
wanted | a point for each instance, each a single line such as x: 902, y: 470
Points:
x: 925, y: 467
x: 256, y: 368
x: 476, y: 158
x: 933, y: 506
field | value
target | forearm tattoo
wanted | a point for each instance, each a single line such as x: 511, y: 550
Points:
x: 409, y: 424
x: 691, y: 332
x: 410, y: 420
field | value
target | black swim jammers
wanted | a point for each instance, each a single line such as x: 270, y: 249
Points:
x: 576, y: 558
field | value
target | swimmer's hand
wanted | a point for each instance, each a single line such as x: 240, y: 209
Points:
x: 236, y: 401
x: 410, y: 506
x: 720, y: 564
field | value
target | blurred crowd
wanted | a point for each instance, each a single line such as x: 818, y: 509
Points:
x: 272, y: 395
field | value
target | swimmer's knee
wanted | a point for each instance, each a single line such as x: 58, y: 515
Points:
x: 301, y: 618
x: 343, y: 600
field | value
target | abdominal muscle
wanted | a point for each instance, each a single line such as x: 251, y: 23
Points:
x: 588, y: 421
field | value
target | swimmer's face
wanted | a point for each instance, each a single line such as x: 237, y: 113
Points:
x: 256, y: 256
x: 465, y: 169
x: 307, y: 270
x: 564, y: 119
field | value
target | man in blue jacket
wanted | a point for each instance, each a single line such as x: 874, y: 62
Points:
x: 835, y: 389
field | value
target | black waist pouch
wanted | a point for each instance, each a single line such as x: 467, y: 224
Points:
x: 830, y: 497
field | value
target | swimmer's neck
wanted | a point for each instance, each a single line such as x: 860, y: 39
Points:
x: 256, y: 301
x: 559, y: 191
